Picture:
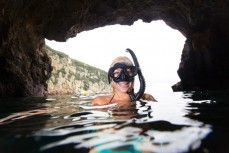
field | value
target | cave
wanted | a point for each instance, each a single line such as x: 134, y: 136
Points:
x: 24, y: 25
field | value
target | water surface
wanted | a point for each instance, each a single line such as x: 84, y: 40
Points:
x: 178, y: 122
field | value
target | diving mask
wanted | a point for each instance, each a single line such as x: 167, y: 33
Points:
x: 121, y: 72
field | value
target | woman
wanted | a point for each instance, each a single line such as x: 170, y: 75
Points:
x: 121, y: 76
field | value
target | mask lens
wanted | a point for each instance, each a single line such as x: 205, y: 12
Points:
x: 117, y: 72
x: 130, y: 71
x: 114, y: 72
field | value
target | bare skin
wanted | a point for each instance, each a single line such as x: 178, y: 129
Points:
x: 120, y: 95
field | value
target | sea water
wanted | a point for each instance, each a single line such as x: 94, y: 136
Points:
x: 178, y: 122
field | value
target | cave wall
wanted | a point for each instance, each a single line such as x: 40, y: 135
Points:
x: 205, y: 57
x: 25, y: 67
x: 24, y: 64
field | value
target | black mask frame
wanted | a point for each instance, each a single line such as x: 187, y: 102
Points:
x: 126, y: 73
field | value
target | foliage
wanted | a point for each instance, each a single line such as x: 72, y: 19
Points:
x: 55, y: 52
x: 85, y: 73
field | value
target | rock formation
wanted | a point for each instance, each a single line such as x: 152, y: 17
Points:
x: 25, y: 66
x: 72, y: 77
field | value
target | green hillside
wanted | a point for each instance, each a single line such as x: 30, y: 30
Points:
x: 71, y: 72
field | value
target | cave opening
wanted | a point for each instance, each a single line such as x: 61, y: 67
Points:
x: 157, y: 46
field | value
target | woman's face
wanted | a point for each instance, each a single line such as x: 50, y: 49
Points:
x: 122, y: 86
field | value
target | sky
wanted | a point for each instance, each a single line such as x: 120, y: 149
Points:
x: 157, y: 47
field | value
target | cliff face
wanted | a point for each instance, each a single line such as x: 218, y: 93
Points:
x: 70, y: 76
x: 25, y: 67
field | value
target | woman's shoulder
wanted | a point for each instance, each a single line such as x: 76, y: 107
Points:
x: 101, y: 100
x: 148, y: 97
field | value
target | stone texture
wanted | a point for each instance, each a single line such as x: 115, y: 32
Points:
x: 25, y: 67
x: 72, y: 77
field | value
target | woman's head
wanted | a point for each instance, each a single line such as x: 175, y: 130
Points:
x: 121, y: 74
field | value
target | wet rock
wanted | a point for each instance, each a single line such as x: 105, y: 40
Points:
x: 25, y: 67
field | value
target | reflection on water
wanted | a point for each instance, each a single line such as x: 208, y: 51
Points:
x: 179, y: 122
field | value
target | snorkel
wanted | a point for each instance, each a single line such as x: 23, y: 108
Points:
x: 138, y: 95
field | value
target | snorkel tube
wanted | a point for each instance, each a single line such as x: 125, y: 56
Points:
x: 138, y: 95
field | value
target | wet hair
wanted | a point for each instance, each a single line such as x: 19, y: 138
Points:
x: 122, y: 59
